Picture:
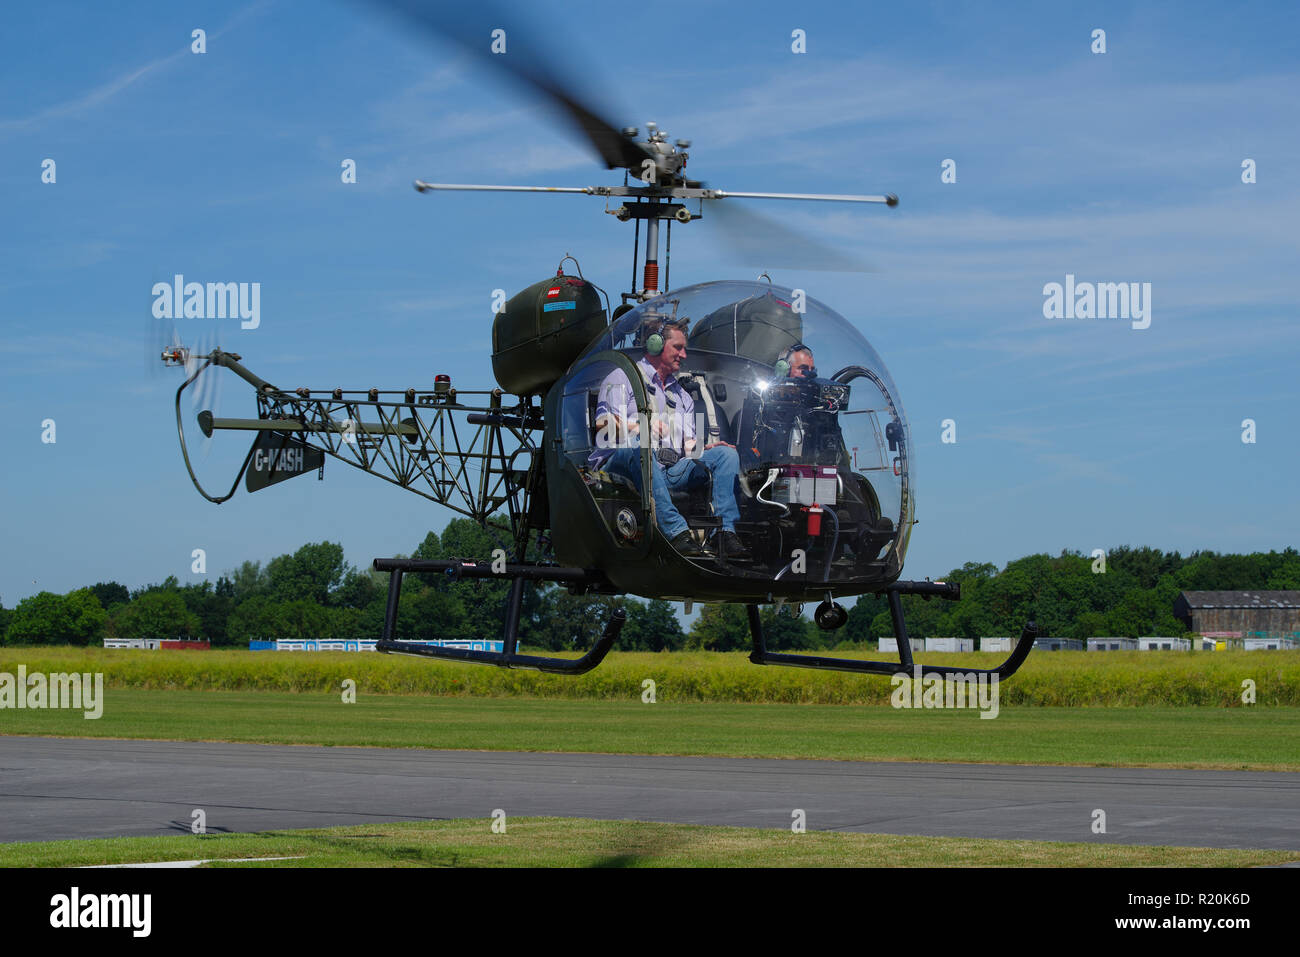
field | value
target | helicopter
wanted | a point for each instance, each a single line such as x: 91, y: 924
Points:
x: 823, y: 495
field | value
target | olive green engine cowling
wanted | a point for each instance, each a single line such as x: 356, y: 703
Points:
x: 542, y: 330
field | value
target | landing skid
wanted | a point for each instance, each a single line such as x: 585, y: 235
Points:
x: 507, y: 658
x: 593, y: 580
x: 904, y: 665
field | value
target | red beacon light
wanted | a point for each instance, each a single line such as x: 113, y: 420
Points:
x: 441, y: 385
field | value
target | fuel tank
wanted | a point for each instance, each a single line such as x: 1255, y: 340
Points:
x: 541, y: 330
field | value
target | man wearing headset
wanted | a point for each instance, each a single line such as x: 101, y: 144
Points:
x: 796, y: 362
x: 672, y: 438
x: 775, y: 429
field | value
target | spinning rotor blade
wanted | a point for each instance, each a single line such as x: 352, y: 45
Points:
x: 758, y: 240
x: 206, y: 394
x: 164, y: 339
x: 473, y: 31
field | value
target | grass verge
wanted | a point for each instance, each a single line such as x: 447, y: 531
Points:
x: 577, y: 842
x: 1238, y: 739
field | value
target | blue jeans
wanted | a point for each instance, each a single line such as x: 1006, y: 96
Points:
x: 722, y: 461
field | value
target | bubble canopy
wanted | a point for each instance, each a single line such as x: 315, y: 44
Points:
x: 830, y: 439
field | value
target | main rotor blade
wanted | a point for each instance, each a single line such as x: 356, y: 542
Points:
x: 473, y: 31
x: 889, y: 199
x: 759, y: 240
x: 422, y: 187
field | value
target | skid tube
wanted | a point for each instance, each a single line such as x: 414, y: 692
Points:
x: 507, y: 658
x: 904, y: 666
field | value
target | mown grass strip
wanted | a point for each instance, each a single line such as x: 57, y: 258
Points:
x: 1048, y: 679
x: 1241, y: 738
x: 578, y: 842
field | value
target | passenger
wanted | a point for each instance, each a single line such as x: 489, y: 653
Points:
x: 676, y: 461
x: 780, y: 423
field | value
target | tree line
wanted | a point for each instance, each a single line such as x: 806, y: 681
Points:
x: 313, y: 593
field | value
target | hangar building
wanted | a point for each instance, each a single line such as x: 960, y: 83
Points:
x: 1240, y: 614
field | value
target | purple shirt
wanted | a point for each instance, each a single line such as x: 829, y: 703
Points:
x: 669, y: 403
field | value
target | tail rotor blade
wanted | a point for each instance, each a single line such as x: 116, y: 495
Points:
x: 206, y: 392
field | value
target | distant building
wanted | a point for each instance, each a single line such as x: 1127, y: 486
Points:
x: 1240, y: 614
x: 891, y: 644
x: 1270, y: 644
x: 323, y: 644
x: 1155, y: 643
x: 949, y: 644
x: 1220, y: 640
x: 1059, y: 644
x: 153, y: 644
x: 995, y: 644
x: 367, y: 644
x: 1112, y: 644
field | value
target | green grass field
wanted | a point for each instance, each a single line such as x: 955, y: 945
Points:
x: 1049, y: 679
x: 1256, y: 738
x: 576, y: 842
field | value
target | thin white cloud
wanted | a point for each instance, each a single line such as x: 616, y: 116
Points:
x: 43, y: 354
x: 107, y: 91
x: 1066, y: 118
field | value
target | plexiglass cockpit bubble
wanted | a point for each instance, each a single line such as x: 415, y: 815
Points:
x: 823, y: 492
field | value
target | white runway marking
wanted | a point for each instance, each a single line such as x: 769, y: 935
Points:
x: 210, y: 860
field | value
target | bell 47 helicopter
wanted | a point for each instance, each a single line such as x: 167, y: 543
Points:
x: 797, y: 483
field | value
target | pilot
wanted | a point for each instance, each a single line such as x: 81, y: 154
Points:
x: 796, y: 362
x: 676, y: 461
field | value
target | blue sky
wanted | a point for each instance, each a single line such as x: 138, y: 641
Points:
x: 1115, y: 167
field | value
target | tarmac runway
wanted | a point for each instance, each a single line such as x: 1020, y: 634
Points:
x: 61, y: 788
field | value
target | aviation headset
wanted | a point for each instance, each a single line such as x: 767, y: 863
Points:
x: 652, y: 332
x: 783, y: 360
